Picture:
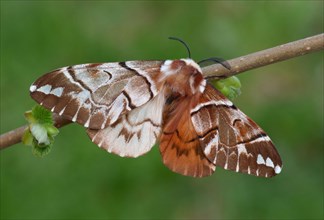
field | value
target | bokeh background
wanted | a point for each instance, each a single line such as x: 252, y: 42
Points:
x: 77, y: 180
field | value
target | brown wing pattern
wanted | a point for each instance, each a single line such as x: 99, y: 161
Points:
x: 134, y: 133
x: 179, y: 143
x: 96, y: 95
x: 230, y: 139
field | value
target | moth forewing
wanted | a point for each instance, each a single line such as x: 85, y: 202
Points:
x: 96, y: 95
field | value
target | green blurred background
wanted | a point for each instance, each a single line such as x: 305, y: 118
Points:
x: 77, y: 180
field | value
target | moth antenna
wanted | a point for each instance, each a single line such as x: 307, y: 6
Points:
x: 184, y: 43
x: 221, y: 61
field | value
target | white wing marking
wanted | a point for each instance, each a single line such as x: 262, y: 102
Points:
x: 135, y: 133
x: 45, y: 89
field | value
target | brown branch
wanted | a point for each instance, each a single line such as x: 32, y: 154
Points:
x: 12, y: 137
x: 266, y: 57
x: 216, y: 71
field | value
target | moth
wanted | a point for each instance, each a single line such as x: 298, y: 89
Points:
x: 128, y: 107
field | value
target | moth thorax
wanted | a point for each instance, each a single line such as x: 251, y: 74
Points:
x: 183, y: 76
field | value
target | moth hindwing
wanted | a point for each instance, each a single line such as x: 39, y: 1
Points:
x: 127, y: 107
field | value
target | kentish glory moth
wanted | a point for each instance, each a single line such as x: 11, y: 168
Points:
x: 127, y: 107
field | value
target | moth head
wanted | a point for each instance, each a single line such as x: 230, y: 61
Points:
x: 185, y: 75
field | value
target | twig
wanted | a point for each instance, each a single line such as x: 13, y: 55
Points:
x: 216, y: 71
x: 12, y: 137
x: 266, y: 57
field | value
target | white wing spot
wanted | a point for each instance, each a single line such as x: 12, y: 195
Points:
x: 277, y: 169
x: 57, y: 91
x: 260, y: 160
x: 226, y: 164
x: 237, y: 166
x: 45, y: 89
x: 100, y: 143
x: 87, y: 122
x: 61, y: 112
x: 75, y: 116
x: 269, y: 163
x: 32, y: 88
x: 241, y: 149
